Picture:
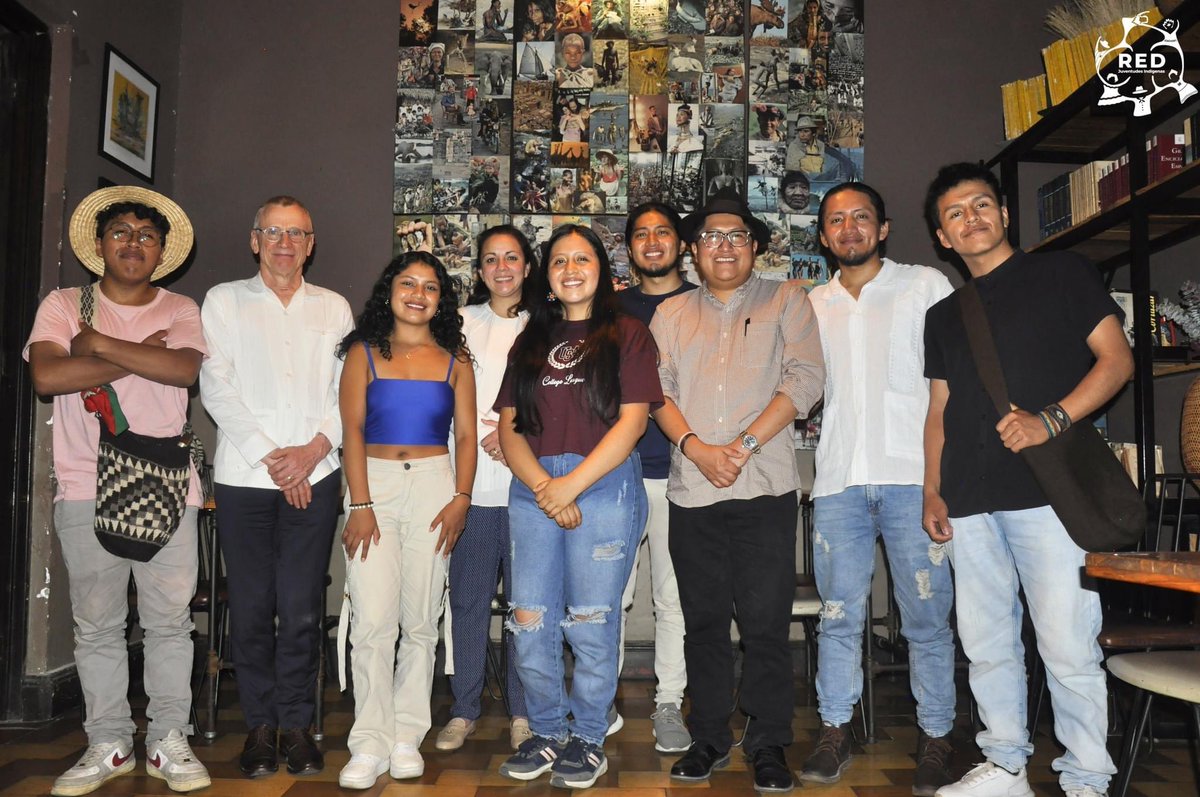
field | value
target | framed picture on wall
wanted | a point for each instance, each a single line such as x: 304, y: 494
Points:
x: 128, y: 115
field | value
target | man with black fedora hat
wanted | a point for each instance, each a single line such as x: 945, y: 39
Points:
x: 740, y: 360
x: 144, y: 344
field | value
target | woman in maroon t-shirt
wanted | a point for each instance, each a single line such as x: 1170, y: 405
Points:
x: 580, y: 383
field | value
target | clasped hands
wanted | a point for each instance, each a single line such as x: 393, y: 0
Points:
x: 290, y: 467
x: 556, y: 497
x: 721, y: 465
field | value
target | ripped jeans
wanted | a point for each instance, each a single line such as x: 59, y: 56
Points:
x: 846, y: 526
x: 567, y: 575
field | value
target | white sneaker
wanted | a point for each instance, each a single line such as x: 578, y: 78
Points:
x: 362, y: 771
x: 1085, y: 791
x: 615, y: 721
x: 100, y: 763
x: 519, y: 732
x: 171, y: 759
x: 988, y: 780
x: 455, y: 733
x: 406, y: 761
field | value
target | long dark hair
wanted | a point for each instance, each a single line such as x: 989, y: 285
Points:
x: 479, y: 291
x: 601, y: 350
x: 375, y: 323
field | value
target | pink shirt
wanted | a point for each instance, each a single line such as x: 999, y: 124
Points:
x: 151, y: 408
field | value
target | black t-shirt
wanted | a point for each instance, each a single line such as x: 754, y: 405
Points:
x: 654, y: 447
x: 1041, y: 308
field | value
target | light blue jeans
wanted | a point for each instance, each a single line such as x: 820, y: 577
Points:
x: 995, y: 555
x: 846, y: 527
x: 568, y: 575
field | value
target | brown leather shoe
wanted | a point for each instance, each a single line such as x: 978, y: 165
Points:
x: 260, y: 757
x: 303, y: 757
x: 831, y: 756
x: 934, y: 754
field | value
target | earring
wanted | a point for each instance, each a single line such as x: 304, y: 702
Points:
x: 550, y: 297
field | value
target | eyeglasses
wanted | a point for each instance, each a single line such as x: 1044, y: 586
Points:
x: 125, y: 234
x: 712, y: 238
x: 275, y: 234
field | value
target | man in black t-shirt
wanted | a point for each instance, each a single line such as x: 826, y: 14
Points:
x: 1061, y: 346
x: 651, y: 234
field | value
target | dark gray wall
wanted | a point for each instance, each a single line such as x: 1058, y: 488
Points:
x: 289, y: 98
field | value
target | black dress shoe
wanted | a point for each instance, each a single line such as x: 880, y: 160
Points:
x: 259, y: 756
x: 303, y: 757
x: 699, y: 762
x: 771, y: 772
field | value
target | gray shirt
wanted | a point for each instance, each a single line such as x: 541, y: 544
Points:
x: 723, y: 363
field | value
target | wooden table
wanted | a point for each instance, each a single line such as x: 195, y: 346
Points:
x: 1172, y: 570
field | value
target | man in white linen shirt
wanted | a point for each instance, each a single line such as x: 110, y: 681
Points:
x: 870, y: 468
x: 270, y: 383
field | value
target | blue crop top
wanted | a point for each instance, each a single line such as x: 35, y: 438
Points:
x: 408, y: 412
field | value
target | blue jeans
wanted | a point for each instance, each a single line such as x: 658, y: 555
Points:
x: 846, y: 527
x: 994, y: 556
x: 573, y: 580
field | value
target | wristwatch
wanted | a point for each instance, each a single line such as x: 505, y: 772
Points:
x: 750, y: 443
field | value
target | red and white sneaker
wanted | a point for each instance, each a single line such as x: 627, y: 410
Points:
x: 171, y: 759
x: 100, y: 763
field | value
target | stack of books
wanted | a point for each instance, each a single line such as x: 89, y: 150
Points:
x: 1094, y: 187
x: 1072, y: 62
x: 1024, y: 100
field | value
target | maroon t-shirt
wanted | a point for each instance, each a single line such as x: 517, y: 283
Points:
x: 569, y: 426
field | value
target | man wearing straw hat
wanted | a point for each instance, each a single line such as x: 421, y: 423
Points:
x: 146, y: 343
x: 270, y: 383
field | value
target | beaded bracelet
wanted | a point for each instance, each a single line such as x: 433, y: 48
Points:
x: 363, y: 505
x: 1051, y: 430
x: 1059, y: 416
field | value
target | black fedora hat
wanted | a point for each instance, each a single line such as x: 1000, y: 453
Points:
x: 689, y: 229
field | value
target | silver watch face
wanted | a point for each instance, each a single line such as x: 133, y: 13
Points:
x: 749, y: 442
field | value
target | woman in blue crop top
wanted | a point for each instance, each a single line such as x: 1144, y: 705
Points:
x: 492, y: 320
x: 580, y: 383
x: 406, y: 379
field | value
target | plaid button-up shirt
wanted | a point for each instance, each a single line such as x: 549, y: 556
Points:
x: 723, y: 363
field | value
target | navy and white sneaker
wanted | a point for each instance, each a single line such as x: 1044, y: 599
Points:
x: 535, y: 756
x: 580, y: 764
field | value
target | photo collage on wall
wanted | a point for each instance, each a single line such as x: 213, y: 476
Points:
x: 540, y: 112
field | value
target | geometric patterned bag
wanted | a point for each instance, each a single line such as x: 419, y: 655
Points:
x: 141, y: 481
x: 141, y: 491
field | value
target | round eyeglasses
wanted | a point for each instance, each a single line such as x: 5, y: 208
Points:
x: 125, y: 234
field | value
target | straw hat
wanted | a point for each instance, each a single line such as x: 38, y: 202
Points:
x: 83, y: 227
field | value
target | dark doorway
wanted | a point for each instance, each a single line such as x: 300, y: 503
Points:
x: 24, y: 98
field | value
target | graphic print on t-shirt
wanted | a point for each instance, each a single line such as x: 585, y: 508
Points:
x: 564, y: 356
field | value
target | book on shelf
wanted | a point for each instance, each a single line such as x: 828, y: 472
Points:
x: 1023, y: 102
x: 1124, y: 300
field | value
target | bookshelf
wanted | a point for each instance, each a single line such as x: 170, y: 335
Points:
x: 1153, y: 218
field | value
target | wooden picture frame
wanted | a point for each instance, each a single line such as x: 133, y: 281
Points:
x: 128, y: 115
